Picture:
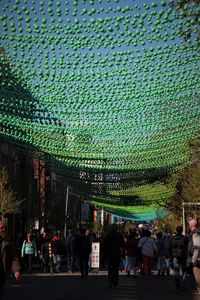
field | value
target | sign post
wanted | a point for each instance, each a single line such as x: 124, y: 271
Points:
x: 95, y: 256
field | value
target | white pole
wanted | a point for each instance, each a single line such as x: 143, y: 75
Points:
x: 66, y: 208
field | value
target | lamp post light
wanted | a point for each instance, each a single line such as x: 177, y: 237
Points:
x: 66, y: 209
x: 47, y: 196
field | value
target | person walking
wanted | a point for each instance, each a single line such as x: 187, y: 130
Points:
x: 29, y: 250
x: 161, y: 245
x: 131, y: 253
x: 149, y: 251
x: 84, y: 247
x: 70, y: 249
x: 193, y: 255
x: 177, y: 250
x: 57, y: 249
x: 115, y: 248
x: 8, y: 258
x: 46, y: 253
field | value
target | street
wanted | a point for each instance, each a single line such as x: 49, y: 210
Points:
x: 64, y: 286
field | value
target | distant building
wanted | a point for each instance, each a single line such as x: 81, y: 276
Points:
x: 20, y: 169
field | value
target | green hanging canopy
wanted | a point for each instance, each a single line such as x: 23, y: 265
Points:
x: 107, y: 90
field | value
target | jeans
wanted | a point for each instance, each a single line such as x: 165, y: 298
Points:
x: 180, y: 273
x: 161, y: 264
x: 131, y: 264
x: 57, y: 262
x: 70, y: 263
x: 29, y: 261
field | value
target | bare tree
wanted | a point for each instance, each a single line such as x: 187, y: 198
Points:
x: 8, y: 202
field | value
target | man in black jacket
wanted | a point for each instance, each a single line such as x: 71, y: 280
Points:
x: 115, y: 249
x: 177, y: 249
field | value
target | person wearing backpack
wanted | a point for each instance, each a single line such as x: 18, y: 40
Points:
x: 149, y: 250
x: 177, y: 249
x: 193, y: 258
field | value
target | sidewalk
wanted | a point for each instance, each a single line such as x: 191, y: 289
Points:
x: 65, y: 286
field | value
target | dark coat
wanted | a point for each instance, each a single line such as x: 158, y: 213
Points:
x: 57, y: 246
x: 114, y: 245
x: 84, y: 245
x: 70, y: 244
x: 177, y: 246
x: 9, y: 259
x: 46, y: 248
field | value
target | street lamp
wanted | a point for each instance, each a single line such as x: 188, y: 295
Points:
x: 66, y: 208
x: 68, y: 212
x: 47, y: 193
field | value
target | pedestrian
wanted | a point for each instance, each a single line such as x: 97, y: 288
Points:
x: 149, y: 251
x: 29, y: 251
x: 46, y: 252
x: 193, y: 258
x: 57, y: 248
x: 124, y: 261
x: 115, y: 249
x: 161, y: 245
x: 70, y: 250
x: 84, y: 247
x: 8, y: 258
x: 168, y: 260
x: 131, y: 253
x: 177, y: 250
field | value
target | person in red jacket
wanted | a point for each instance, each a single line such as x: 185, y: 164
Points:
x: 8, y: 259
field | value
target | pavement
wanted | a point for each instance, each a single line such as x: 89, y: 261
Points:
x: 63, y: 286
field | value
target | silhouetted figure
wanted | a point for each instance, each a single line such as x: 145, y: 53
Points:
x: 84, y: 247
x: 177, y: 249
x: 46, y: 252
x: 115, y: 249
x: 70, y: 250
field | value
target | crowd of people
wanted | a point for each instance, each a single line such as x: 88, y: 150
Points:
x: 135, y: 253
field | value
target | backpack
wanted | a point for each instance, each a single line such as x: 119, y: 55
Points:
x: 178, y: 247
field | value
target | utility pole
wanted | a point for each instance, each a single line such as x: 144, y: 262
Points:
x: 66, y: 208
